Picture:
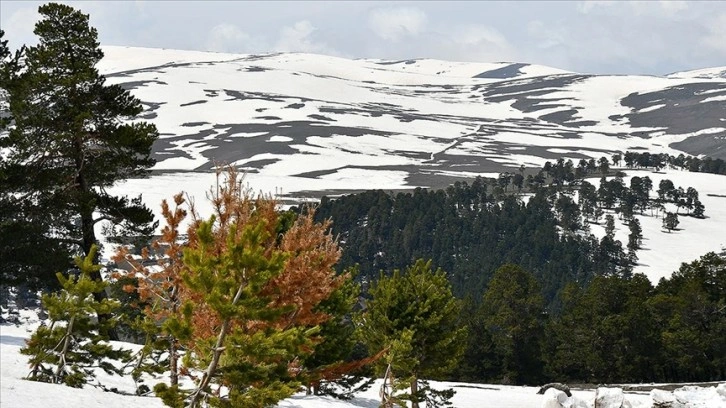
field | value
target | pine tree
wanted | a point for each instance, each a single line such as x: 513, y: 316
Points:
x: 252, y: 281
x: 610, y: 225
x: 329, y: 370
x: 158, y: 286
x: 413, y: 315
x: 604, y: 165
x: 670, y: 221
x: 70, y: 139
x: 7, y: 72
x: 698, y: 209
x: 635, y: 238
x: 512, y: 311
x: 21, y: 235
x: 70, y: 349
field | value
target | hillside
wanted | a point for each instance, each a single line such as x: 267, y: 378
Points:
x: 304, y: 125
x: 412, y: 122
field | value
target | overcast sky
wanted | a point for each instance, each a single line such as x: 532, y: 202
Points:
x: 648, y: 37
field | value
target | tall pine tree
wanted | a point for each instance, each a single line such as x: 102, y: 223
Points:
x: 512, y: 313
x: 70, y: 138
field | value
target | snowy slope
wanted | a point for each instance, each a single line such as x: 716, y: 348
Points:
x: 303, y: 125
x: 306, y: 115
x: 663, y: 252
x: 17, y: 392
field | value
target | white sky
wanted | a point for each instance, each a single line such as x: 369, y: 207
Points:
x: 643, y: 37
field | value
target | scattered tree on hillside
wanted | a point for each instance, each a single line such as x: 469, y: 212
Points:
x: 665, y: 189
x: 518, y: 181
x: 698, y: 209
x: 569, y: 213
x: 635, y: 238
x: 670, y: 221
x: 588, y: 200
x: 604, y: 165
x: 414, y: 315
x: 610, y: 225
x: 691, y: 198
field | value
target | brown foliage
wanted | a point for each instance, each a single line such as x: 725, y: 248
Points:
x: 307, y: 279
x: 158, y: 287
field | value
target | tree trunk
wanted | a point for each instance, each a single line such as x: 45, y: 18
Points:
x: 414, y: 393
x: 173, y: 366
x: 217, y: 353
x: 89, y: 235
x: 64, y: 351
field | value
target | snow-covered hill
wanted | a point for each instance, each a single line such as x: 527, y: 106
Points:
x: 311, y: 116
x: 302, y: 125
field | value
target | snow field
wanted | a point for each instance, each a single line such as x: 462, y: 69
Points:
x: 662, y: 252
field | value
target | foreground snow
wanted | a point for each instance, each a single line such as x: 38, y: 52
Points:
x: 17, y: 392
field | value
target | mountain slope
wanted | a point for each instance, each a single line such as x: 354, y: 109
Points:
x: 304, y: 125
x: 303, y: 115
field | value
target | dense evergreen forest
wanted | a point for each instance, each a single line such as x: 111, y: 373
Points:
x: 544, y: 299
x: 470, y: 230
x: 466, y: 231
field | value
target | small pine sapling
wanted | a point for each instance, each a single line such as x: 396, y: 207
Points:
x: 159, y: 285
x: 73, y: 346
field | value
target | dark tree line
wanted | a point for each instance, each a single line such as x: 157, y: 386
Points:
x: 469, y: 232
x: 683, y: 162
x: 622, y: 330
x: 616, y: 329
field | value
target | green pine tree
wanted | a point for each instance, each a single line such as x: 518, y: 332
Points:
x: 21, y: 235
x: 230, y: 285
x: 69, y: 350
x: 331, y: 369
x: 70, y: 138
x: 670, y: 221
x: 414, y: 315
x: 512, y: 313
